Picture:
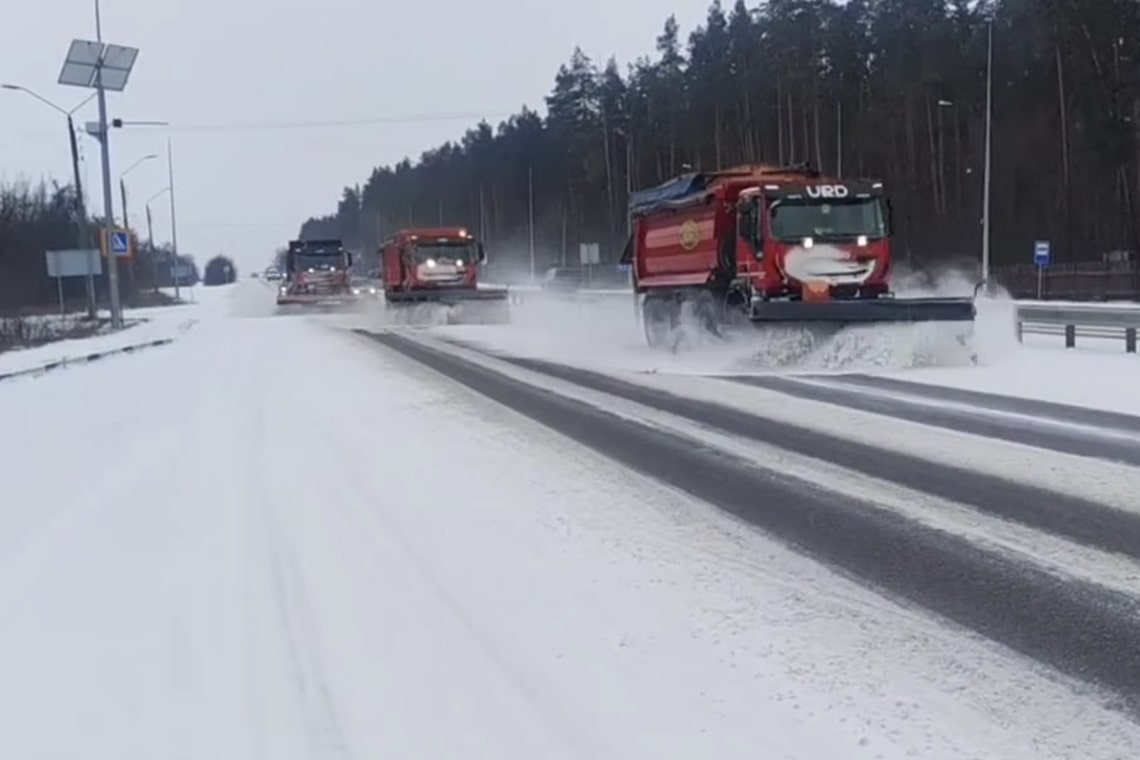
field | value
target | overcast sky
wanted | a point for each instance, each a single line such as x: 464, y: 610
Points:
x: 208, y: 66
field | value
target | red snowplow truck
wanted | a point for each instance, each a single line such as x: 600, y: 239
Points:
x: 316, y: 272
x: 769, y: 245
x: 439, y: 266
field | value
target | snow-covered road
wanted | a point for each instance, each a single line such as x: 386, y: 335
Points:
x: 279, y: 539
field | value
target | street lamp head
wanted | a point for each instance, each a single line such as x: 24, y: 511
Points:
x: 160, y: 192
x: 120, y: 123
x: 82, y: 103
x: 11, y: 86
x: 131, y: 168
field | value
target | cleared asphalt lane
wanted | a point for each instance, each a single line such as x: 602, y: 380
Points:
x: 1045, y: 410
x: 1038, y: 431
x: 1082, y: 520
x: 1080, y: 628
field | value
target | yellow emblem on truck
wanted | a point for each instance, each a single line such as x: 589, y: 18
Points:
x: 690, y: 235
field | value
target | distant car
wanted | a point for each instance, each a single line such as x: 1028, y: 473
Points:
x: 254, y: 275
x: 562, y: 278
x: 367, y: 286
x: 273, y: 274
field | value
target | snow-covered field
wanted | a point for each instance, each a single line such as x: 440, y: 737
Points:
x: 274, y: 539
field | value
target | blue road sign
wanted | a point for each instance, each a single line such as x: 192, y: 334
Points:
x: 1041, y: 253
x: 120, y: 243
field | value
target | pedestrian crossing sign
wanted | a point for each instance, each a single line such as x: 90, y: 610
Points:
x: 122, y: 243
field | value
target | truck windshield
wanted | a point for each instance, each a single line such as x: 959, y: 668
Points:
x: 460, y: 250
x: 797, y: 219
x: 319, y: 262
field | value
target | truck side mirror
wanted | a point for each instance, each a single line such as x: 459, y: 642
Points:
x: 482, y: 254
x: 350, y: 259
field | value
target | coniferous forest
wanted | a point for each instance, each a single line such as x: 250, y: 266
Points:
x: 890, y: 89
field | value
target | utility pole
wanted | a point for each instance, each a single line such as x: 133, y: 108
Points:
x: 627, y: 136
x: 530, y: 215
x: 87, y: 65
x: 839, y: 138
x: 986, y: 181
x: 81, y: 214
x: 108, y: 206
x: 123, y: 199
x: 150, y: 245
x: 629, y: 184
x: 482, y: 216
x: 173, y: 220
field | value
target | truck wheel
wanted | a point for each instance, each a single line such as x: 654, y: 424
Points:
x: 707, y: 312
x: 659, y: 319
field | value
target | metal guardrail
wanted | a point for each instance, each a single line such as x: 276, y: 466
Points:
x: 1070, y: 320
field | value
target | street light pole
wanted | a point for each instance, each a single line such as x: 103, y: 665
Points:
x: 150, y: 247
x: 80, y: 206
x: 119, y: 123
x: 126, y: 216
x: 530, y: 215
x: 101, y: 67
x: 986, y: 181
x: 839, y: 138
x: 123, y: 199
x: 123, y: 186
x: 81, y: 213
x: 108, y: 206
x: 150, y: 236
x: 173, y: 217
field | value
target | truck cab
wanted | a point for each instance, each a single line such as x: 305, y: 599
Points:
x: 824, y: 239
x: 315, y: 268
x: 444, y: 258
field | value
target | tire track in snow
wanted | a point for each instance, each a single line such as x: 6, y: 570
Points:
x: 1044, y: 410
x: 1080, y: 441
x: 1079, y: 628
x: 322, y: 723
x: 324, y: 727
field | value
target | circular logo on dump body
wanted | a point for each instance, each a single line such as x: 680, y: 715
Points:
x: 690, y: 235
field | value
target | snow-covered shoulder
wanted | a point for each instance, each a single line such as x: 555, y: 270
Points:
x: 141, y: 326
x: 1097, y: 373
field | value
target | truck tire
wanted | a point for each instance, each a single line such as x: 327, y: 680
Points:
x: 706, y: 309
x: 659, y: 319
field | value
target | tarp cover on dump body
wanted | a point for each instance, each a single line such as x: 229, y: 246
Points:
x: 671, y: 193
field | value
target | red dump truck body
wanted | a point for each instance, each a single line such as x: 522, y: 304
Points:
x: 773, y: 244
x: 768, y: 229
